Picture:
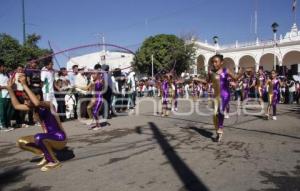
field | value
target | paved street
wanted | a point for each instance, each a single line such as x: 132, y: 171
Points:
x: 147, y: 152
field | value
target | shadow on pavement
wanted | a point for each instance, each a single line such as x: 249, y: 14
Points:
x: 186, y: 175
x: 203, y: 132
x: 11, y: 175
x: 234, y: 127
x: 62, y: 155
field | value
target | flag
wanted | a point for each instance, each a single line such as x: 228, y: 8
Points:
x: 294, y: 5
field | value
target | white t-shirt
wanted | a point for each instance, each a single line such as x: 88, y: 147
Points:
x: 292, y: 87
x: 47, y: 78
x: 3, y: 82
x: 81, y: 82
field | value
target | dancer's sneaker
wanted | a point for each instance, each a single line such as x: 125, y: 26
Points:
x: 8, y: 129
x: 226, y: 116
x: 267, y: 116
x: 274, y: 118
x: 50, y: 165
x: 176, y: 109
x: 42, y: 162
x: 219, y: 135
x: 97, y: 128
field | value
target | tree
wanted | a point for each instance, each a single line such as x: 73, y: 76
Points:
x: 13, y: 53
x: 169, y: 52
x: 10, y: 51
x: 31, y: 51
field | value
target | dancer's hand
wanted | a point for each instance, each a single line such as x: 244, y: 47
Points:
x: 10, y: 84
x: 22, y: 79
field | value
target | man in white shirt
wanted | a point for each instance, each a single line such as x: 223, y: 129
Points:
x: 73, y: 74
x: 292, y: 90
x: 81, y: 84
x: 186, y: 90
x: 6, y: 109
x: 47, y: 78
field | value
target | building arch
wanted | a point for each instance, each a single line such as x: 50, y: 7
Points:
x: 267, y: 61
x: 247, y: 61
x: 229, y: 63
x: 291, y: 57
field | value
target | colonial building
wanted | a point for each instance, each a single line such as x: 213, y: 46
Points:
x: 282, y: 53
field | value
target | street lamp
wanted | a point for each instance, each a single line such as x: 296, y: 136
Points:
x: 274, y: 27
x: 215, y: 39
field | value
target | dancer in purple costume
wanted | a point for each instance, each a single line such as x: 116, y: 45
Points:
x: 165, y: 95
x: 219, y: 77
x: 246, y: 85
x: 54, y: 136
x: 98, y: 85
x: 273, y: 93
x: 261, y: 84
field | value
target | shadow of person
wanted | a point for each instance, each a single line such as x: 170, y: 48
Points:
x: 205, y: 133
x: 62, y: 155
x: 65, y: 154
x: 11, y: 176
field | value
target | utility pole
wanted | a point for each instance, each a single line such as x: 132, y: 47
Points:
x: 103, y: 52
x: 23, y: 21
x: 152, y: 68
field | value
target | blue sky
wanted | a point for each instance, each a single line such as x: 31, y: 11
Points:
x: 69, y: 23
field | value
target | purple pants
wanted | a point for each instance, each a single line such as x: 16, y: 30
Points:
x: 42, y: 140
x: 224, y: 105
x: 97, y: 107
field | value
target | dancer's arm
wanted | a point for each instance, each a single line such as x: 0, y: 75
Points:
x: 31, y: 95
x: 237, y: 76
x: 15, y: 102
x: 200, y: 80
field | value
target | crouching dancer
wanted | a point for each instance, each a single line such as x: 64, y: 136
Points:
x: 53, y: 137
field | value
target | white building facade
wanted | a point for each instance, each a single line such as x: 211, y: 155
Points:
x: 122, y: 60
x: 284, y: 51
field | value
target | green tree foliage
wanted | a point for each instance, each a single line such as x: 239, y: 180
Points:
x: 169, y: 52
x: 13, y: 53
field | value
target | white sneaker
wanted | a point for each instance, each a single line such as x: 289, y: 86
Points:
x: 274, y: 118
x: 226, y: 116
x: 176, y: 109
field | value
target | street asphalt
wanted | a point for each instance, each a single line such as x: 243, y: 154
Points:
x: 143, y: 151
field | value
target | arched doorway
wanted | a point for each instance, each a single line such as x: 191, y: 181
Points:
x: 200, y: 64
x: 247, y: 62
x: 291, y: 58
x: 267, y: 61
x: 229, y: 63
x: 291, y: 62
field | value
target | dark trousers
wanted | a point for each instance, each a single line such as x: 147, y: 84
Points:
x: 107, y: 108
x: 61, y: 105
x: 20, y: 115
x: 6, y: 112
x: 83, y: 100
